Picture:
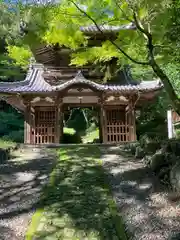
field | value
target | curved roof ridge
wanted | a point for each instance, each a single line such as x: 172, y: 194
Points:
x: 79, y: 78
x: 33, y: 82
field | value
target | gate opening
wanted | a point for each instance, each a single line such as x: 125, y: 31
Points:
x: 81, y: 125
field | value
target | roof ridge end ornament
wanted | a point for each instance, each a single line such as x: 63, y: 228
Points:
x: 80, y: 75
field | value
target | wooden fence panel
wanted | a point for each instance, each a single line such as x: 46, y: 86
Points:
x: 44, y: 125
x: 117, y: 129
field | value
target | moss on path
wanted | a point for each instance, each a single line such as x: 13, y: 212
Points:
x: 78, y: 204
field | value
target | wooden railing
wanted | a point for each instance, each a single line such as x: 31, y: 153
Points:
x: 117, y: 130
x: 44, y: 131
x: 117, y: 133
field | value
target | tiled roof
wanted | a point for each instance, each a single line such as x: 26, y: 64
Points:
x: 35, y: 82
x: 106, y: 28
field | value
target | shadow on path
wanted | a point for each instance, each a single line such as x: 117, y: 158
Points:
x: 21, y: 181
x: 142, y: 201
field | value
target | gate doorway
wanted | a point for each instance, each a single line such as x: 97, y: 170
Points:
x: 81, y: 125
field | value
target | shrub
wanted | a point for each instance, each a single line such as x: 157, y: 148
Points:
x: 139, y: 152
x: 150, y: 145
x: 70, y: 136
x: 15, y: 136
x: 175, y: 177
x: 172, y: 146
x: 131, y: 147
x: 4, y: 155
x: 147, y: 159
x: 178, y: 133
x: 157, y: 161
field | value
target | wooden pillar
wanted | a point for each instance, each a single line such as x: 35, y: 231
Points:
x: 58, y: 121
x: 61, y: 123
x: 103, y: 124
x: 100, y: 126
x: 133, y: 125
x: 27, y: 125
x: 57, y: 132
x: 131, y: 121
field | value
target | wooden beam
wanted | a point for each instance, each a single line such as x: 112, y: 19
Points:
x: 83, y: 94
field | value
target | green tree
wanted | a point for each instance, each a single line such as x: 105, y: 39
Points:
x: 151, y: 44
x: 9, y: 32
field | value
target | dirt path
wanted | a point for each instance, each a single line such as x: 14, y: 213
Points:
x: 143, y: 204
x: 21, y: 181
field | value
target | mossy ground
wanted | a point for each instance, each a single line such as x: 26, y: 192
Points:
x: 78, y: 204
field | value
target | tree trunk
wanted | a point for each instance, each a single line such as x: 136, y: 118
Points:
x: 167, y: 86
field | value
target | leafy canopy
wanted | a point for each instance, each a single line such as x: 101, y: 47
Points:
x: 62, y: 21
x: 61, y: 24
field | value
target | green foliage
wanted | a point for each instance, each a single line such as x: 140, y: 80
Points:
x: 70, y: 136
x: 172, y: 70
x: 63, y: 21
x: 8, y: 70
x: 61, y: 24
x: 6, y: 144
x: 92, y: 134
x: 22, y: 55
x: 69, y: 130
x: 178, y: 133
x: 11, y: 124
x: 10, y: 20
x: 15, y: 136
x: 151, y: 122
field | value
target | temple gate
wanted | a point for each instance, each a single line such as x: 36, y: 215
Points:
x: 52, y: 84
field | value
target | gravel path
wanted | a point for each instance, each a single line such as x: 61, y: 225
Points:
x: 146, y: 210
x: 21, y: 181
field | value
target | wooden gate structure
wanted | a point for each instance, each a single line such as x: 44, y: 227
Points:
x: 51, y: 84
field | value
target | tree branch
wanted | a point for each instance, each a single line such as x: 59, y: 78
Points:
x: 148, y: 37
x: 156, y: 68
x: 112, y: 42
x: 123, y: 12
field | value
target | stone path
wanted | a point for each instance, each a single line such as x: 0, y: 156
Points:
x: 21, y: 181
x: 147, y: 213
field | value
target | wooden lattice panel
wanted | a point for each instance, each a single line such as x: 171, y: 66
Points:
x: 45, y: 125
x: 116, y: 128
